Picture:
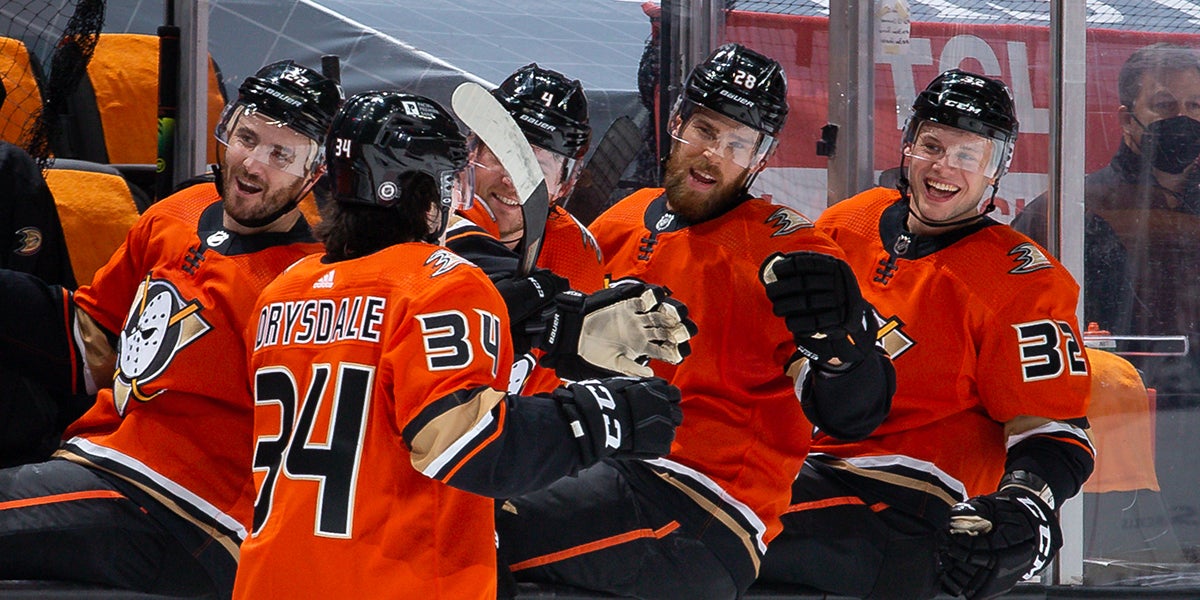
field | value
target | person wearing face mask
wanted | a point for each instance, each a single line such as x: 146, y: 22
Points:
x: 956, y: 490
x: 1142, y: 216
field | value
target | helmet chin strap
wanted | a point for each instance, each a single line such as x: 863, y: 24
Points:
x: 902, y: 186
x: 261, y: 221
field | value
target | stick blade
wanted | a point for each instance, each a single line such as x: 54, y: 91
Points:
x: 486, y: 118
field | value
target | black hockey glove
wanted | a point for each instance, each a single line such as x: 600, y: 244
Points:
x: 621, y: 417
x: 617, y: 331
x: 818, y: 298
x: 998, y: 540
x: 531, y: 306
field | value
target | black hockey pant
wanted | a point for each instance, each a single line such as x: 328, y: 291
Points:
x: 65, y: 522
x: 613, y: 528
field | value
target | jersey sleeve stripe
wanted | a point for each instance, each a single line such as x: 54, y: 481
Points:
x: 500, y: 413
x: 903, y: 471
x: 1055, y: 429
x: 174, y: 496
x: 710, y: 494
x: 451, y: 427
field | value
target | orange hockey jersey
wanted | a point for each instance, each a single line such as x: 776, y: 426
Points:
x: 980, y: 324
x: 177, y: 419
x: 743, y: 435
x: 570, y: 251
x: 568, y: 248
x: 375, y: 383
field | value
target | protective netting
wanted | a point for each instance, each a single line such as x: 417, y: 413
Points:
x: 45, y: 47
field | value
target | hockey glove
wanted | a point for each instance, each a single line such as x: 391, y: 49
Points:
x: 617, y: 331
x: 621, y: 417
x: 531, y: 306
x: 818, y: 298
x: 998, y: 540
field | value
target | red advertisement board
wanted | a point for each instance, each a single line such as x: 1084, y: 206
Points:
x: 1017, y: 54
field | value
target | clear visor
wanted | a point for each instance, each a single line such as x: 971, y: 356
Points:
x: 956, y: 149
x: 247, y: 134
x: 459, y: 187
x: 725, y: 138
x: 454, y: 194
x: 553, y: 165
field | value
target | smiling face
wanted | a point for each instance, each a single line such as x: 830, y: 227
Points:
x: 703, y: 177
x: 265, y: 167
x: 947, y: 175
x: 494, y: 187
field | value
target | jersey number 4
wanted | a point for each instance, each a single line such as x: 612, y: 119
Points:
x: 331, y: 461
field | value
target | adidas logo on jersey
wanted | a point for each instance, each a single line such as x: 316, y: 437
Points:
x: 325, y: 282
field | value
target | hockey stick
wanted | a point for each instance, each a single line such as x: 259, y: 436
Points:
x: 486, y: 118
x: 600, y: 176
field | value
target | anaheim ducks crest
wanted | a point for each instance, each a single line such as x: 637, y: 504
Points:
x: 786, y: 221
x: 159, y: 325
x: 1029, y: 258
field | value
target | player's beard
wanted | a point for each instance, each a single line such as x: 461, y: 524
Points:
x: 245, y: 210
x: 698, y: 206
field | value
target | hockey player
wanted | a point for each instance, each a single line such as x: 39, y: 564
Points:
x: 987, y: 436
x: 695, y: 524
x: 151, y: 488
x: 552, y: 112
x: 378, y: 374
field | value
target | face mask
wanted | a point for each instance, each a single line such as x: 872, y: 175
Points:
x: 1171, y: 145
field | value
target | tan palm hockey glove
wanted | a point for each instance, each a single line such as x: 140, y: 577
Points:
x: 617, y: 331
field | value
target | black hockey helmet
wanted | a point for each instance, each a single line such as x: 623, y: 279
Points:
x: 971, y: 102
x: 288, y: 95
x: 297, y: 96
x: 741, y: 84
x: 551, y: 109
x: 380, y: 143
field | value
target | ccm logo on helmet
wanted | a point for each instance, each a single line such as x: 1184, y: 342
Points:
x: 963, y: 106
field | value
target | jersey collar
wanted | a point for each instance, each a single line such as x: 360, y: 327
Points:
x: 902, y: 243
x: 213, y: 234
